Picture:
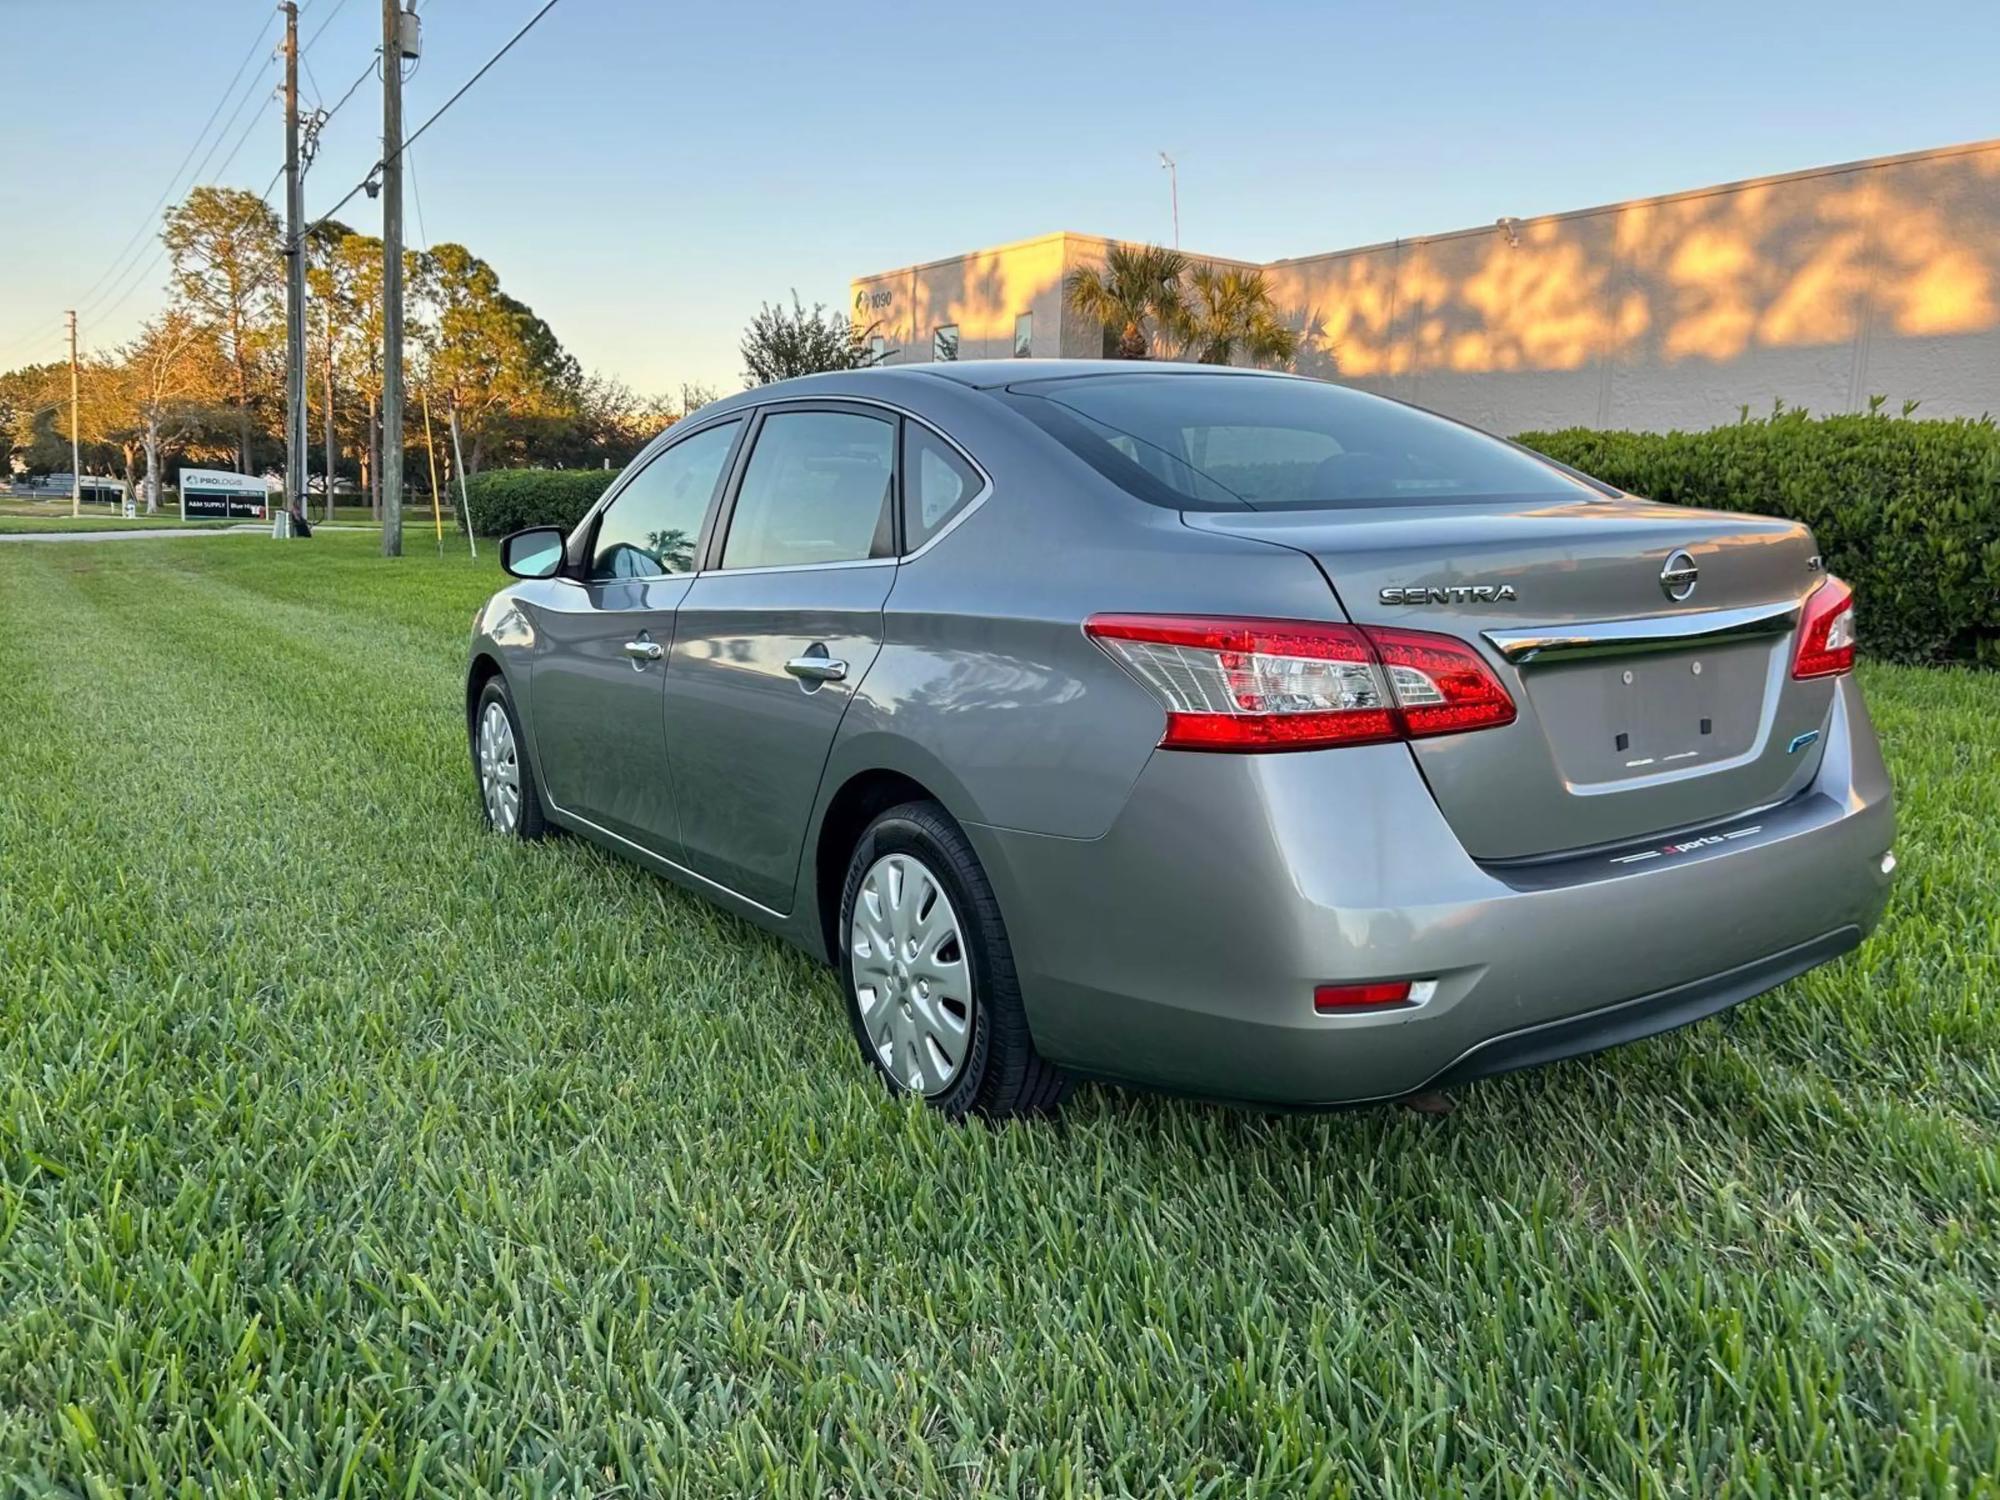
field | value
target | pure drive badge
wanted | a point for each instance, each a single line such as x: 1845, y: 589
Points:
x: 1457, y: 593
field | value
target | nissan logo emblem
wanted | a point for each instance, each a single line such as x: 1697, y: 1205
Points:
x: 1679, y: 576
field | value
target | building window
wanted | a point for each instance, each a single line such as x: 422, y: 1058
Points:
x: 944, y: 342
x: 1024, y: 335
x: 878, y: 349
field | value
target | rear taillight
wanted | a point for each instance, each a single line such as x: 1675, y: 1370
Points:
x: 1230, y: 684
x: 1826, y: 632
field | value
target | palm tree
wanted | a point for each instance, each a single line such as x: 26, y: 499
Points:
x: 1230, y: 312
x: 1139, y: 284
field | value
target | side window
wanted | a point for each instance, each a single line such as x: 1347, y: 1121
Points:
x: 653, y: 526
x: 936, y: 483
x: 817, y: 490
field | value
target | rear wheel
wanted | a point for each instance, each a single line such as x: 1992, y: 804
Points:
x: 499, y: 757
x: 931, y: 990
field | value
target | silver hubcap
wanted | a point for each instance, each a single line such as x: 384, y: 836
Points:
x: 912, y: 981
x: 499, y: 769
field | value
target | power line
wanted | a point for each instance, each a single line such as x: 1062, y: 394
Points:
x: 411, y: 139
x: 133, y: 283
x: 320, y: 30
x: 203, y: 167
x: 374, y: 66
x: 146, y: 222
x: 417, y: 194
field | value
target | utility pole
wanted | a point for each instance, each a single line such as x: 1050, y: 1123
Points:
x: 1173, y: 186
x: 75, y: 428
x: 392, y: 280
x: 295, y: 277
x: 328, y: 307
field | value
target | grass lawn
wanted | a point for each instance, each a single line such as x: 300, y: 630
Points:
x: 347, y: 1149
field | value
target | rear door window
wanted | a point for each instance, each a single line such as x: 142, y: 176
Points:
x: 819, y: 488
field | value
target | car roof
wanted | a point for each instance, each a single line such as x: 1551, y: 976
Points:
x: 974, y: 374
x: 984, y: 374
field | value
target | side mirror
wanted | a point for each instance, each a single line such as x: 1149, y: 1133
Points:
x: 536, y: 552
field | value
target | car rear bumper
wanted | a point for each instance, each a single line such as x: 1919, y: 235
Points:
x: 1181, y: 949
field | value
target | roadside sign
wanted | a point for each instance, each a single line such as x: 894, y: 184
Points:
x: 215, y: 492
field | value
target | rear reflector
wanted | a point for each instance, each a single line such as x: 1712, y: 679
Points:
x: 1230, y: 684
x: 1338, y: 997
x: 1826, y: 632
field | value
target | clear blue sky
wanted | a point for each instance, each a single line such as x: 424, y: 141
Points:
x: 644, y: 172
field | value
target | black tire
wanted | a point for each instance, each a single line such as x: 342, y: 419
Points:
x: 530, y: 823
x: 1002, y: 1076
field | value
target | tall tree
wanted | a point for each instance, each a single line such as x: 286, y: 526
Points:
x: 173, y: 376
x: 484, y: 353
x: 39, y: 399
x: 228, y: 266
x: 28, y: 398
x: 327, y: 340
x: 1138, y: 292
x: 354, y: 281
x: 1227, y: 311
x: 779, y: 344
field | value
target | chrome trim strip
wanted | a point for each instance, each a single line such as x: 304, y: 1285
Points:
x: 1655, y: 633
x: 747, y: 412
x: 979, y: 497
x: 578, y: 819
x: 818, y: 567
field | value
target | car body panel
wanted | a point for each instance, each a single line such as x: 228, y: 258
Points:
x: 1610, y: 745
x: 1336, y: 866
x: 598, y: 712
x: 748, y: 741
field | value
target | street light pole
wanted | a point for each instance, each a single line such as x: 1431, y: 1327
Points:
x: 1174, y: 187
x: 295, y: 279
x: 328, y: 307
x: 75, y: 429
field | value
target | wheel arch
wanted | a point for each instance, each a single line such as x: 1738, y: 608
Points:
x: 484, y: 667
x: 859, y: 800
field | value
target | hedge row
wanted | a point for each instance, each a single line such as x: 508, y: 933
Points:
x: 1907, y: 511
x: 504, y: 500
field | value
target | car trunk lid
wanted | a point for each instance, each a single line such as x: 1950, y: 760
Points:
x: 1648, y: 648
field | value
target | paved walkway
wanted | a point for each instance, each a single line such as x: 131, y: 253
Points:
x: 259, y: 529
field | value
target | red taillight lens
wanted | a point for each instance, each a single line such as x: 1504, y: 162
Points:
x: 1826, y: 632
x: 1231, y: 684
x: 1441, y: 685
x: 1338, y: 997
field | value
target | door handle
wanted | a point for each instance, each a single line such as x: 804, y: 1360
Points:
x: 644, y: 650
x: 817, y: 668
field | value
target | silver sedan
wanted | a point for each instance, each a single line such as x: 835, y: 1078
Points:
x: 1205, y: 729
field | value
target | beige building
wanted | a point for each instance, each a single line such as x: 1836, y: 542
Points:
x: 1818, y: 288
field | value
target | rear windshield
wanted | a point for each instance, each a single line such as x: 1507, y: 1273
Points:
x: 1248, y: 442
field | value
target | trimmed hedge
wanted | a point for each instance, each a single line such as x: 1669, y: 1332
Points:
x: 1907, y: 511
x: 504, y: 500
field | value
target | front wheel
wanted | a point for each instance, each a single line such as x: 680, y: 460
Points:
x: 931, y: 990
x: 499, y: 758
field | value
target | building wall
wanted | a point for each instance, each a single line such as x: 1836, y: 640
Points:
x: 1819, y: 289
x: 982, y: 293
x: 1816, y: 288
